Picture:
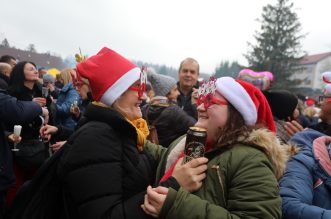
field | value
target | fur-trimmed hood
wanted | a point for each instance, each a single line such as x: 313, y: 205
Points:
x: 277, y: 153
x: 262, y: 139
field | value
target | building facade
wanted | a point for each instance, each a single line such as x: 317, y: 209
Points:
x: 308, y: 73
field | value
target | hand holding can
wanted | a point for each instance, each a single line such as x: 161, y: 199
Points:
x: 195, y: 143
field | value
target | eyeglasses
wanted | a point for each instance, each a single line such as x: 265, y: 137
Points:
x: 139, y: 88
x: 210, y: 100
x: 324, y: 99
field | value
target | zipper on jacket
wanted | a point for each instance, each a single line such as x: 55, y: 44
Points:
x: 217, y: 167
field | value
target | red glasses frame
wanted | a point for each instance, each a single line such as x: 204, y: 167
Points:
x: 138, y: 88
x: 210, y: 100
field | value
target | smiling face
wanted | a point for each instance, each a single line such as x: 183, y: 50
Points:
x: 173, y: 94
x: 128, y: 104
x: 30, y: 73
x: 213, y: 118
x: 188, y: 74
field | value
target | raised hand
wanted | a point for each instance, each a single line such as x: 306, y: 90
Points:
x: 292, y: 127
x: 194, y: 96
x: 190, y: 175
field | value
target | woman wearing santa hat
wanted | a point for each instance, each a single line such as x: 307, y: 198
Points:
x: 245, y: 159
x: 104, y: 169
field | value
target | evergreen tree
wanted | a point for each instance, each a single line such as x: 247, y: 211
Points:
x: 278, y: 44
x: 31, y: 48
x: 5, y: 43
x: 228, y: 69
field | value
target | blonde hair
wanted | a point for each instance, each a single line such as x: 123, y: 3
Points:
x: 65, y: 75
x: 309, y: 112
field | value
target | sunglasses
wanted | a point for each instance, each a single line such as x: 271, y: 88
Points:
x: 210, y: 100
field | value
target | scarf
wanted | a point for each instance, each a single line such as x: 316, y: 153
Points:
x: 142, y: 132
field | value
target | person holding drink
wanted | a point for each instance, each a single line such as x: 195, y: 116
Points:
x: 245, y: 159
x: 32, y: 152
x: 12, y: 112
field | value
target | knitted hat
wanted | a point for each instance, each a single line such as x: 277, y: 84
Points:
x: 109, y: 75
x: 161, y: 84
x: 48, y: 78
x: 282, y: 103
x: 248, y: 100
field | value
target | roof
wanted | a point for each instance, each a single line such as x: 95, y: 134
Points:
x: 314, y: 58
x: 40, y: 59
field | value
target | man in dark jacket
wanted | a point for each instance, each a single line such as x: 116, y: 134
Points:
x: 12, y: 112
x: 188, y: 74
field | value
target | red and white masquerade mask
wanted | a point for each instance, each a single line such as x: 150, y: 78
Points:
x: 141, y: 88
x: 206, y: 94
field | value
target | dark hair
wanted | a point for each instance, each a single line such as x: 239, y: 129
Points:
x: 234, y: 127
x: 6, y: 58
x: 17, y: 77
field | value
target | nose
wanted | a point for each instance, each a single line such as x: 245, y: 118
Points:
x: 143, y: 97
x: 201, y: 108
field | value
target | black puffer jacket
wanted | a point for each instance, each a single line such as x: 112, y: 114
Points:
x: 104, y: 175
x: 171, y: 121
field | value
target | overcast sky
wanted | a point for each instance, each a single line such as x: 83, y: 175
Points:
x: 161, y: 32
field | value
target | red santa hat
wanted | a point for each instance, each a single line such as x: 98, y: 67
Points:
x: 310, y: 102
x: 248, y: 100
x: 109, y: 75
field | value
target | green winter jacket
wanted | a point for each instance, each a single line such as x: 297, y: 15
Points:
x: 241, y: 181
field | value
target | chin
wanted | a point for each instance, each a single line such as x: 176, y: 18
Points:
x: 137, y: 115
x: 201, y: 124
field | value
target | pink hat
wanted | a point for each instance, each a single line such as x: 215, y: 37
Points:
x: 261, y: 80
x: 248, y: 100
x: 109, y: 75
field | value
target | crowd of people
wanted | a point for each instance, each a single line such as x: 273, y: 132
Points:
x: 119, y: 133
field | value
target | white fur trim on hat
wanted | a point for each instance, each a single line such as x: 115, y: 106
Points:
x: 234, y: 93
x: 120, y: 86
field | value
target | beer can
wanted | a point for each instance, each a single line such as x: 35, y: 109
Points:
x: 195, y: 143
